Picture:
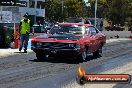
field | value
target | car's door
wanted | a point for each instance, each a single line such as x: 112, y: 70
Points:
x: 93, y: 38
x: 90, y: 39
x: 101, y: 38
x: 98, y: 37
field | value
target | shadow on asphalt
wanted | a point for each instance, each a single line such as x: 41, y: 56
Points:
x: 4, y: 47
x: 64, y: 60
x: 19, y: 52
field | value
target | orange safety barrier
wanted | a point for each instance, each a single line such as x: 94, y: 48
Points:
x: 16, y: 37
x: 131, y: 35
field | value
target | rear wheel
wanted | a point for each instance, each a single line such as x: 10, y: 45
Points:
x: 98, y: 53
x: 40, y: 57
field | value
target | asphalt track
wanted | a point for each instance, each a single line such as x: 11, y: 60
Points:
x: 24, y: 71
x: 21, y: 70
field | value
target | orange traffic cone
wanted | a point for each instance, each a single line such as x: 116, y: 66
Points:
x: 131, y: 35
x: 16, y: 38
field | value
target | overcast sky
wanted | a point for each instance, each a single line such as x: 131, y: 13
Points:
x: 88, y: 4
x: 86, y: 0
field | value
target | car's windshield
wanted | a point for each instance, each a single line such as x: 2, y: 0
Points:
x: 67, y: 29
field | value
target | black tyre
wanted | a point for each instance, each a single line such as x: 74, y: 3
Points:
x: 83, y: 56
x: 40, y: 57
x: 98, y: 53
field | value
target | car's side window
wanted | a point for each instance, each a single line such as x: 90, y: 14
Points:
x: 54, y: 29
x: 93, y: 30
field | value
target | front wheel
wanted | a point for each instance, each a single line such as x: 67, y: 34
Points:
x: 40, y: 57
x: 83, y: 56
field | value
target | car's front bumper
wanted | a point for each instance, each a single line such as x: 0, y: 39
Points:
x: 57, y: 52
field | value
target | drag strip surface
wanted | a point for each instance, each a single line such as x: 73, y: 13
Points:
x: 24, y: 71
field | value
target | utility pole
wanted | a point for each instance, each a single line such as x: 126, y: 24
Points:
x: 95, y: 13
x: 62, y: 2
x: 1, y: 13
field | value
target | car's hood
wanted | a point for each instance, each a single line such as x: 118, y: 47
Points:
x: 53, y: 37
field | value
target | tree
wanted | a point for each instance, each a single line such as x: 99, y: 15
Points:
x: 102, y: 8
x: 115, y: 10
x: 53, y: 10
x: 72, y: 8
x: 119, y: 11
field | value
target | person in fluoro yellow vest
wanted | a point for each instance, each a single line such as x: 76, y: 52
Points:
x: 25, y: 29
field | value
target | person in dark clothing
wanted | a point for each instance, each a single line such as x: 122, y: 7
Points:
x: 101, y: 24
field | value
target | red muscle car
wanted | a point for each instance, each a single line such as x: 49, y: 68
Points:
x: 69, y: 39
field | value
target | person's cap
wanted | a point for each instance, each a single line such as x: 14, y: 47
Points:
x: 26, y: 15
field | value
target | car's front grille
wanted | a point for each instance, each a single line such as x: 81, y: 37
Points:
x: 56, y: 45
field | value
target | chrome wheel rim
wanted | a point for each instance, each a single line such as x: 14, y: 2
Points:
x: 84, y: 55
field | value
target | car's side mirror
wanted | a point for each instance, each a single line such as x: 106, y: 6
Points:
x: 93, y: 33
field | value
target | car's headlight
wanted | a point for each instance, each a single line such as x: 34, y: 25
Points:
x: 71, y: 45
x: 39, y: 44
x: 77, y: 46
x: 33, y: 43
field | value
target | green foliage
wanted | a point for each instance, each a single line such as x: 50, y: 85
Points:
x: 118, y: 11
x: 53, y: 9
x: 72, y: 8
